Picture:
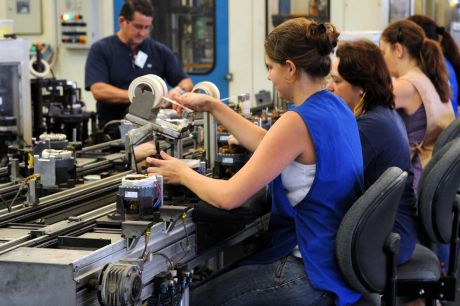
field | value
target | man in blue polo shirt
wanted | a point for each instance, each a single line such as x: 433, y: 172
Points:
x: 115, y: 61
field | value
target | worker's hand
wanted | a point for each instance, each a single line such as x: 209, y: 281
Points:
x: 145, y: 150
x: 173, y: 94
x: 197, y: 102
x: 169, y: 167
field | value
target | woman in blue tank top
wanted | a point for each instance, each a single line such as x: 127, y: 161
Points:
x: 318, y: 143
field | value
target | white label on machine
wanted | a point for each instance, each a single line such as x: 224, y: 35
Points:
x: 227, y: 160
x: 131, y: 194
x: 455, y: 26
x: 223, y: 138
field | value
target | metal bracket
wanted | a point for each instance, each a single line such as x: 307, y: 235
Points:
x: 142, y: 105
x: 132, y: 231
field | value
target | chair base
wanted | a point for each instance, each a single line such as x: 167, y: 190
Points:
x: 443, y: 289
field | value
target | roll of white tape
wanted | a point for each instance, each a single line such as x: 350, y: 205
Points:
x: 36, y: 73
x: 150, y: 82
x: 207, y: 88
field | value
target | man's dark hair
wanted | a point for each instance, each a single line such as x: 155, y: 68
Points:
x: 144, y: 7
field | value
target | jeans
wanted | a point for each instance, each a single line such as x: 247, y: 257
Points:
x: 283, y: 282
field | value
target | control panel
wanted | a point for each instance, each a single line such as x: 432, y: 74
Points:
x: 78, y: 25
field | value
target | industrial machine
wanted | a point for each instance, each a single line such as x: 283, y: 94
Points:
x: 139, y: 197
x: 147, y: 122
x: 15, y: 110
x: 53, y: 164
x: 58, y: 109
x: 146, y: 94
x: 118, y: 240
x: 95, y: 258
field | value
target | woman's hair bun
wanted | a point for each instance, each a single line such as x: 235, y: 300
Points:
x: 325, y: 36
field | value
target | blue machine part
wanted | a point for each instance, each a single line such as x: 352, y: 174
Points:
x: 219, y: 72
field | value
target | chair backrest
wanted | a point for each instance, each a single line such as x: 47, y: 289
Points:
x: 450, y: 133
x: 437, y: 190
x: 364, y: 229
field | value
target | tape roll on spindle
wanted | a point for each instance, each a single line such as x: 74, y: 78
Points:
x: 151, y: 82
x: 207, y: 88
x: 39, y: 74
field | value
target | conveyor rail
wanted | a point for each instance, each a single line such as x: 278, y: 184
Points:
x: 68, y: 199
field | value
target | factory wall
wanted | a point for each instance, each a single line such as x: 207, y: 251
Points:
x: 246, y: 36
x: 70, y: 63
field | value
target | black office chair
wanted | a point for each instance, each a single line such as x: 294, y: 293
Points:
x: 438, y: 209
x: 450, y: 133
x: 366, y: 249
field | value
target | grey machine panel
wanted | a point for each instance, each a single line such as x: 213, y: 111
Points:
x: 46, y: 276
x: 15, y: 85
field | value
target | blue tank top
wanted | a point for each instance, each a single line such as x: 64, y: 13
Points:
x: 314, y: 222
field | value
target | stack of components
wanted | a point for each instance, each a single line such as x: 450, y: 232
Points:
x: 52, y: 160
x: 21, y: 160
x: 56, y: 141
x: 229, y: 158
x: 267, y: 118
x: 56, y: 168
x: 139, y: 197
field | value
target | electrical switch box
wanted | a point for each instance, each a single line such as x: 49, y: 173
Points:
x: 78, y: 23
x: 27, y: 16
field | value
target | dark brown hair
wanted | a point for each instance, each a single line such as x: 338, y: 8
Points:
x: 305, y: 42
x: 427, y: 52
x: 448, y: 45
x: 362, y: 64
x: 141, y: 6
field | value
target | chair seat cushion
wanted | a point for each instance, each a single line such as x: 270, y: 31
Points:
x: 423, y: 265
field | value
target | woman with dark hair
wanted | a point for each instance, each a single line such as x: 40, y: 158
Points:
x: 314, y: 178
x: 421, y: 88
x: 450, y: 50
x: 360, y: 77
x: 452, y: 60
